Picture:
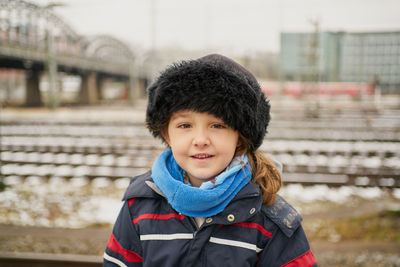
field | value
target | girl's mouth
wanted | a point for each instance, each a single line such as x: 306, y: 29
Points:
x: 202, y: 156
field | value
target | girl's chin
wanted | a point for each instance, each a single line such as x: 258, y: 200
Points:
x: 198, y: 181
x: 202, y: 179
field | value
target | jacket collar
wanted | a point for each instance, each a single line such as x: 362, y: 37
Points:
x: 249, y: 196
x: 143, y: 186
x: 139, y: 188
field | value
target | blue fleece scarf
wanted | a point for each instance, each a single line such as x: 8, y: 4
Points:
x: 194, y: 201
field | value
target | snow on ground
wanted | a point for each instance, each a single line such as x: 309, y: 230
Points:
x: 299, y: 193
x: 61, y: 203
x: 320, y: 198
x: 76, y: 203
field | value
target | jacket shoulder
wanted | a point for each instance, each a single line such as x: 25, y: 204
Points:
x: 141, y: 186
x: 283, y: 215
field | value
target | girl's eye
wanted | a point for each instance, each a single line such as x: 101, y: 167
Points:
x: 184, y: 125
x: 219, y: 126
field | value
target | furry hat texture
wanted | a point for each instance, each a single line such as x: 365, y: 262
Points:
x: 214, y: 84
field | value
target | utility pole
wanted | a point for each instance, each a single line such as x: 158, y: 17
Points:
x: 51, y: 64
x: 153, y: 32
x: 313, y: 56
x: 314, y: 66
x: 281, y: 74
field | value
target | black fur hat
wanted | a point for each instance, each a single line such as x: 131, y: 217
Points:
x: 214, y: 84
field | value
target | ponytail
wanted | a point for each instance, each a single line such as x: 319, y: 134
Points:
x: 266, y: 175
x: 264, y: 172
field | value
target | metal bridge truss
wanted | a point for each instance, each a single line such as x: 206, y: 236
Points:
x: 35, y: 39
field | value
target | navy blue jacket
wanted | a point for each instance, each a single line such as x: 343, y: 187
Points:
x: 149, y: 232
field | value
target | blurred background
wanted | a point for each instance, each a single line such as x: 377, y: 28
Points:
x: 73, y: 78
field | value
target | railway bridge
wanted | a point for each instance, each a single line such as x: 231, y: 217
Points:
x: 36, y: 40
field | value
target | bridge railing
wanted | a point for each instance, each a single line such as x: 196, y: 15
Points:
x: 30, y: 27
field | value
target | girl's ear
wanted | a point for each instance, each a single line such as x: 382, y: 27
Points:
x: 241, y: 146
x: 164, y: 134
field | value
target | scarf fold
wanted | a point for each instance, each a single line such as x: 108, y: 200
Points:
x: 211, y: 198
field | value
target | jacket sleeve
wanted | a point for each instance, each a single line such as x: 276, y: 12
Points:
x: 123, y: 247
x: 288, y: 251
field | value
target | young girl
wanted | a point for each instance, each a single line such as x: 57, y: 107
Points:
x: 211, y: 197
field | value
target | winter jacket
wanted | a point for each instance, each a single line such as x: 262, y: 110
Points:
x: 149, y: 232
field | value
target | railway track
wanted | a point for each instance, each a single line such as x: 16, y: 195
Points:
x: 345, y: 147
x: 334, y: 163
x: 48, y: 260
x: 305, y: 131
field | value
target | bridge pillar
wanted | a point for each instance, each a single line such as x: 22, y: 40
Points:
x: 101, y: 84
x: 129, y: 92
x: 89, y: 94
x: 135, y: 89
x: 133, y: 85
x: 32, y: 95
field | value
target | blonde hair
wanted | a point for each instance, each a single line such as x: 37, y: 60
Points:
x: 264, y: 171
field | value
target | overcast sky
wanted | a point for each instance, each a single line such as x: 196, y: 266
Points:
x: 236, y: 25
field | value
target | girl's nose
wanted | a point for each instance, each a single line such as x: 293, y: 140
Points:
x: 201, y: 138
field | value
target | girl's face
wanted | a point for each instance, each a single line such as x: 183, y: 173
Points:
x: 201, y: 143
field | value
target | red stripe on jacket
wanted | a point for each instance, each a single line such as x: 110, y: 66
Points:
x: 130, y: 201
x: 158, y: 217
x: 255, y: 226
x: 305, y: 260
x: 128, y: 255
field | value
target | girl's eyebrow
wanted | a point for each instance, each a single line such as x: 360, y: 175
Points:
x: 178, y: 118
x: 180, y: 115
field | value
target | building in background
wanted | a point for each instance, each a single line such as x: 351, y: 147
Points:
x: 367, y: 57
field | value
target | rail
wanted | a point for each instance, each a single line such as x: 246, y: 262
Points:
x: 48, y: 260
x: 299, y: 130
